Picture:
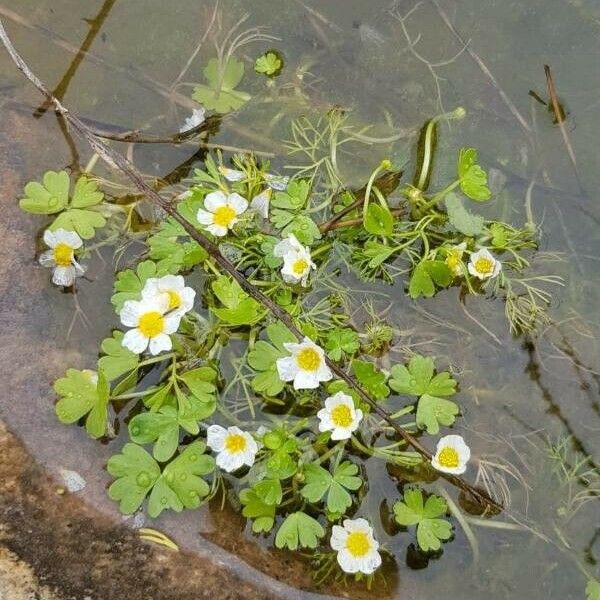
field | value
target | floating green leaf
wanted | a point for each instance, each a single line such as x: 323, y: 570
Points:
x: 460, y: 218
x: 263, y: 514
x: 263, y: 358
x: 129, y: 284
x: 371, y: 379
x: 341, y: 342
x: 117, y: 359
x: 162, y: 428
x: 426, y: 275
x: 318, y: 482
x: 294, y: 197
x: 80, y: 396
x: 473, y: 179
x: 173, y: 249
x: 433, y: 412
x: 86, y: 193
x: 268, y: 64
x: 181, y: 485
x: 431, y: 530
x: 417, y: 379
x: 379, y: 220
x: 592, y: 590
x: 136, y: 472
x: 269, y: 491
x: 84, y: 222
x: 49, y: 198
x: 239, y: 307
x: 299, y: 530
x: 220, y: 93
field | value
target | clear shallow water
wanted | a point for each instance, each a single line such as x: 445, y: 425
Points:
x: 516, y: 394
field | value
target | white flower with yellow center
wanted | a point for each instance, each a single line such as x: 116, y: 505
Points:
x: 483, y: 265
x: 180, y: 297
x: 232, y: 175
x: 451, y: 455
x: 339, y: 416
x: 454, y: 259
x: 260, y: 203
x: 305, y: 367
x: 276, y: 182
x: 234, y: 447
x: 297, y: 262
x: 357, y: 549
x: 61, y: 256
x: 221, y: 212
x: 151, y: 322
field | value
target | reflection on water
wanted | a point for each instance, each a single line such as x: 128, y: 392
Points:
x: 530, y: 404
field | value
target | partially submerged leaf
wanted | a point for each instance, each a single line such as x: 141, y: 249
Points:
x: 239, y: 307
x: 460, y: 218
x: 473, y: 179
x: 117, y: 359
x: 433, y: 412
x: 299, y: 530
x: 220, y: 93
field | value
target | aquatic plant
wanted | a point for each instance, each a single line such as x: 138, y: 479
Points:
x: 251, y: 245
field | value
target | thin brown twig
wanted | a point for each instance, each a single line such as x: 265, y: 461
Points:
x: 558, y: 114
x: 118, y: 161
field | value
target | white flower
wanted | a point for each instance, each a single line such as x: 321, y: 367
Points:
x: 180, y: 298
x: 221, y: 211
x: 234, y: 447
x: 231, y: 174
x: 260, y: 203
x: 61, y: 256
x: 339, y: 416
x: 297, y: 262
x: 483, y: 265
x: 91, y: 375
x: 151, y: 325
x: 451, y: 455
x: 276, y: 182
x: 356, y: 547
x: 454, y: 258
x: 305, y: 367
x: 197, y: 117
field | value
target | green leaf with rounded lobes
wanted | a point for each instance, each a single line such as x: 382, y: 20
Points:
x: 379, y: 220
x: 263, y: 514
x: 84, y: 222
x: 299, y: 530
x: 371, y: 379
x: 49, y: 197
x: 117, y: 359
x: 86, y: 193
x: 417, y: 379
x: 136, y: 472
x: 473, y: 179
x: 433, y: 412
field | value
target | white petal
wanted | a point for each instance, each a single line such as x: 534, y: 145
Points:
x: 347, y: 562
x: 50, y: 238
x: 276, y: 182
x: 287, y: 368
x: 188, y: 295
x: 359, y: 524
x: 215, y: 437
x: 341, y: 433
x: 215, y: 200
x: 46, y: 258
x: 237, y: 202
x: 135, y: 341
x: 230, y: 462
x: 260, y: 203
x: 370, y: 562
x: 231, y: 174
x: 204, y: 217
x: 160, y: 343
x: 305, y: 381
x: 70, y: 238
x: 324, y: 373
x: 219, y: 230
x: 171, y: 323
x: 151, y: 288
x: 338, y: 537
x: 130, y: 313
x: 64, y: 276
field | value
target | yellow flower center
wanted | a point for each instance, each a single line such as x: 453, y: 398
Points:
x: 341, y: 416
x: 151, y: 324
x: 485, y: 266
x: 448, y: 458
x: 453, y: 260
x: 357, y: 543
x: 235, y: 443
x: 63, y: 255
x: 299, y: 266
x: 308, y: 359
x: 174, y: 300
x: 224, y: 215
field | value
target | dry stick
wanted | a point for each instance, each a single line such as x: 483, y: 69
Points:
x: 117, y: 160
x: 513, y: 109
x: 561, y: 122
